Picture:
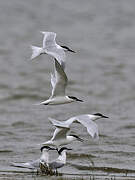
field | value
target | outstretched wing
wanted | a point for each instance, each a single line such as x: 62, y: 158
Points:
x: 59, y: 124
x: 49, y: 39
x: 91, y: 126
x: 53, y: 49
x: 57, y: 53
x: 84, y: 119
x: 60, y: 131
x: 53, y: 80
x: 59, y: 80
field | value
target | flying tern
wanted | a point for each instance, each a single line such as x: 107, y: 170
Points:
x: 44, y: 159
x: 61, y: 136
x: 87, y: 120
x: 51, y: 48
x: 59, y: 82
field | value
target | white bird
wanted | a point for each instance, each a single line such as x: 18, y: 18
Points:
x: 59, y: 82
x: 44, y: 159
x: 61, y: 136
x: 87, y: 120
x: 51, y: 48
x: 61, y: 160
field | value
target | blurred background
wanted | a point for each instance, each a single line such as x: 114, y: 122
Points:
x: 101, y: 73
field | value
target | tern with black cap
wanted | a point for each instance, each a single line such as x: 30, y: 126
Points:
x: 61, y: 160
x: 35, y: 165
x: 87, y: 120
x: 61, y: 136
x: 51, y: 48
x: 59, y: 82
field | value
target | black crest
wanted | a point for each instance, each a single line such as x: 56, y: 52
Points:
x: 98, y: 114
x: 77, y: 137
x: 74, y: 98
x: 101, y: 115
x: 74, y: 136
x: 65, y: 47
x: 68, y: 49
x: 46, y: 147
x: 62, y: 149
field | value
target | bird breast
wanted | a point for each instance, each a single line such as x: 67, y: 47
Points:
x: 59, y: 100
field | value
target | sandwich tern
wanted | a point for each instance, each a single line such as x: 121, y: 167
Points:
x: 58, y: 163
x: 61, y: 160
x: 59, y: 82
x: 44, y: 159
x: 61, y: 137
x: 87, y: 120
x: 51, y: 48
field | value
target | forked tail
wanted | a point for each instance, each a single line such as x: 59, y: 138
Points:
x: 36, y: 51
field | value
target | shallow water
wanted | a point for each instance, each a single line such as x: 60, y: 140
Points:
x: 101, y: 73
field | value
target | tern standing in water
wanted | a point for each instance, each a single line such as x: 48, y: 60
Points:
x: 57, y: 163
x: 61, y: 160
x: 35, y: 165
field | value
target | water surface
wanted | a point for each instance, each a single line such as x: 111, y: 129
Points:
x: 101, y: 73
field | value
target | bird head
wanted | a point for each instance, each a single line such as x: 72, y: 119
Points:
x: 98, y: 116
x: 63, y: 149
x: 46, y: 148
x: 65, y: 48
x: 76, y: 137
x: 75, y: 98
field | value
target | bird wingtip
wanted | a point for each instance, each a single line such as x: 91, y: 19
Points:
x: 51, y: 119
x: 42, y: 32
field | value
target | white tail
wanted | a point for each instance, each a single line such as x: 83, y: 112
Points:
x: 36, y: 51
x: 42, y: 103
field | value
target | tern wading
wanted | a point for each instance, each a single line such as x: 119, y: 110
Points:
x: 61, y: 160
x: 44, y: 159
